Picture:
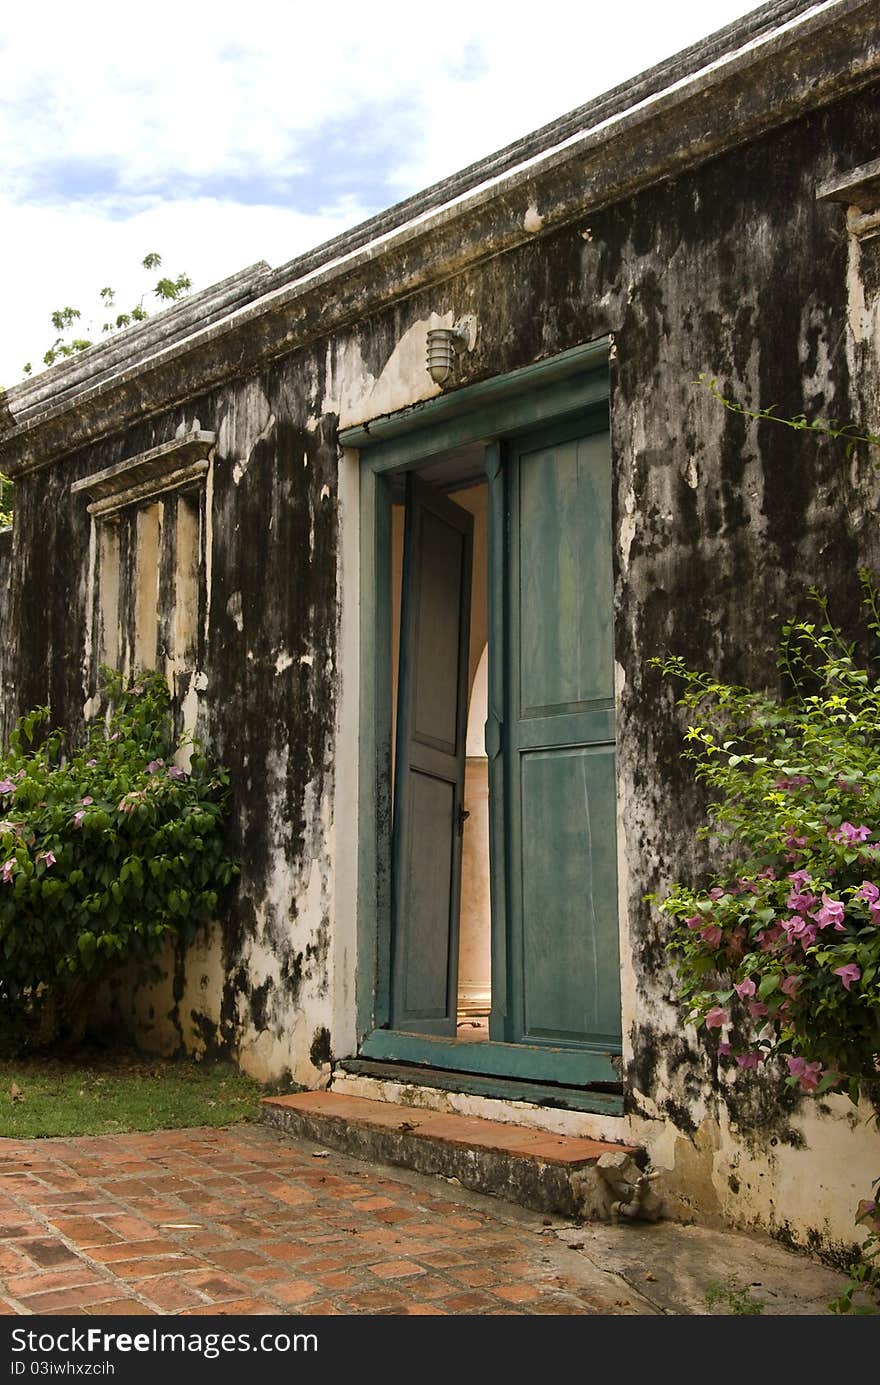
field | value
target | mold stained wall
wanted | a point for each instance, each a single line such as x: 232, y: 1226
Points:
x: 720, y: 528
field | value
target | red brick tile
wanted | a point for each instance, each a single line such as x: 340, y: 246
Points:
x: 121, y: 1307
x: 286, y: 1250
x: 236, y: 1259
x: 128, y: 1250
x: 375, y: 1300
x: 70, y: 1300
x: 217, y: 1286
x: 295, y: 1291
x: 396, y: 1269
x: 83, y: 1231
x: 294, y: 1197
x: 19, y: 1286
x: 173, y: 1295
x: 243, y: 1306
x: 338, y: 1280
x: 159, y: 1264
x: 47, y: 1253
x: 475, y: 1275
x: 10, y: 1261
x: 469, y: 1303
x: 517, y: 1293
x: 131, y: 1228
x: 266, y: 1274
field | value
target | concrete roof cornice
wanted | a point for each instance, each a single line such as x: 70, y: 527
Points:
x: 781, y: 61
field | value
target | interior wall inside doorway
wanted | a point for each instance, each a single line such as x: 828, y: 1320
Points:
x: 474, y: 972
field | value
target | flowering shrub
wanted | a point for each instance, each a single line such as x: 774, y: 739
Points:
x: 780, y: 953
x: 777, y: 954
x: 105, y: 851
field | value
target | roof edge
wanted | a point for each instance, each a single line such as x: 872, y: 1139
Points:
x: 821, y: 54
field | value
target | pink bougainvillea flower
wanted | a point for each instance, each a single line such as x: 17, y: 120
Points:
x: 78, y: 817
x: 694, y: 922
x: 792, y: 984
x: 808, y: 1074
x: 797, y: 930
x: 801, y: 903
x: 800, y: 877
x: 757, y: 1009
x: 848, y: 974
x: 749, y: 1060
x: 868, y: 891
x: 723, y: 1050
x: 8, y: 867
x: 712, y: 935
x: 831, y: 914
x: 7, y: 786
x: 846, y: 832
x: 794, y: 781
x: 792, y: 840
x: 49, y: 858
x: 175, y: 772
x: 87, y: 800
x: 745, y: 988
x: 716, y: 1017
x: 716, y: 892
x: 768, y: 873
x: 154, y: 765
x: 90, y: 764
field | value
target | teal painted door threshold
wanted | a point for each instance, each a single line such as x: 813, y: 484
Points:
x: 595, y: 1100
x: 568, y: 1067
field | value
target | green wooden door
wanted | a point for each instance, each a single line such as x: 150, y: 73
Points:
x: 562, y: 983
x: 430, y: 762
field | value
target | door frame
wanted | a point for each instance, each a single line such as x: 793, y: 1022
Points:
x: 547, y: 392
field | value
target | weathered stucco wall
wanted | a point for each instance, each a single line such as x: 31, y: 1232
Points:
x: 720, y: 528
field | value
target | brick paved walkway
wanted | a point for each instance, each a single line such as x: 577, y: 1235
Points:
x: 247, y: 1220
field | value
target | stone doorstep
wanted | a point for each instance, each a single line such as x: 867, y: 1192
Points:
x: 534, y: 1168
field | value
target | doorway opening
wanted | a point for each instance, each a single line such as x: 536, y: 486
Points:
x: 486, y: 833
x: 471, y: 972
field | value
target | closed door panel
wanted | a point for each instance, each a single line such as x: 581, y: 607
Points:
x: 562, y: 954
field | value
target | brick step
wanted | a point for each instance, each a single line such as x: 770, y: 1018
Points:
x: 534, y: 1168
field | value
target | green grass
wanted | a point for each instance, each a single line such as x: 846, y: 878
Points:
x: 101, y: 1094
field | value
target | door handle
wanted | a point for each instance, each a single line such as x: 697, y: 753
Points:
x: 463, y: 816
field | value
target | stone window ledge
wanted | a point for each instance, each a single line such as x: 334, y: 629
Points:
x: 173, y: 466
x: 859, y: 191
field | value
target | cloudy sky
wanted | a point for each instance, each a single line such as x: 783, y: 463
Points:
x: 224, y: 133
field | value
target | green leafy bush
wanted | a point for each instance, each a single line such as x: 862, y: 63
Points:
x: 777, y: 953
x: 105, y: 851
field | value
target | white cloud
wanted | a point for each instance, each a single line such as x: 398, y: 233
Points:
x: 184, y: 127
